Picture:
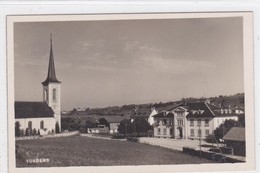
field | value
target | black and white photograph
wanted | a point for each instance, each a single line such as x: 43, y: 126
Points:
x: 130, y: 90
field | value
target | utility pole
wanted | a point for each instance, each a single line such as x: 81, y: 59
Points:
x: 126, y: 130
x: 200, y: 138
x: 134, y: 129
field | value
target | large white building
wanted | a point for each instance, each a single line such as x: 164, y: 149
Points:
x: 42, y: 116
x: 190, y: 120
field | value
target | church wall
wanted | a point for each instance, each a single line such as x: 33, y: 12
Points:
x: 49, y: 123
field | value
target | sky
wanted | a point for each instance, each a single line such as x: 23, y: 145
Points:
x: 109, y: 63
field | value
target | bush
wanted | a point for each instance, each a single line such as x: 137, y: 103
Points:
x: 222, y: 130
x: 34, y: 132
x: 28, y: 132
x: 210, y: 139
x: 17, y: 129
x: 118, y: 136
x: 82, y: 129
x: 57, y: 128
x: 22, y: 133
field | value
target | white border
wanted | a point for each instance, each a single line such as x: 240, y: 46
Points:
x: 80, y: 7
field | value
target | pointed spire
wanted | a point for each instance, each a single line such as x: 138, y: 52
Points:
x: 51, y: 70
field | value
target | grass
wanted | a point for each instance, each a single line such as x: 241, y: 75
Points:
x: 84, y: 151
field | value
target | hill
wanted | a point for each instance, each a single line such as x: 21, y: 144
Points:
x: 232, y: 101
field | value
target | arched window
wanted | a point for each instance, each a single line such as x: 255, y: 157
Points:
x: 54, y: 94
x: 29, y: 125
x: 42, y: 125
x: 46, y: 94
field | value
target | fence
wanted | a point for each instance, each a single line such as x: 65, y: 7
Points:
x: 218, y: 157
x: 47, y: 136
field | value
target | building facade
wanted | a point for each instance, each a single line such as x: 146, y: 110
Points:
x: 193, y: 120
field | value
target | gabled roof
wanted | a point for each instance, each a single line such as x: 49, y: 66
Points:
x: 235, y: 134
x: 32, y: 110
x: 51, y: 77
x: 169, y: 108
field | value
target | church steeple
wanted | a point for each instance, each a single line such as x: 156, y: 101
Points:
x: 51, y: 70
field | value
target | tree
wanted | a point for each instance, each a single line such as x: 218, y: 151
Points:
x: 222, y: 130
x: 141, y: 126
x: 67, y: 123
x: 241, y: 120
x: 57, y: 128
x: 34, y: 132
x: 17, y: 129
x: 125, y: 127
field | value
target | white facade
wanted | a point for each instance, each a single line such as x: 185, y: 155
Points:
x: 200, y: 127
x: 196, y: 122
x: 36, y: 123
x: 219, y: 120
x: 51, y: 95
x: 151, y: 118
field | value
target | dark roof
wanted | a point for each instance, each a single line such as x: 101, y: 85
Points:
x: 199, y: 109
x: 141, y: 113
x: 51, y: 70
x: 32, y: 110
x: 168, y: 108
x: 163, y: 114
x: 113, y: 119
x: 235, y: 134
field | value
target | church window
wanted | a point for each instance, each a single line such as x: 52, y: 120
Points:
x: 54, y: 94
x: 42, y: 124
x: 29, y: 125
x: 46, y: 95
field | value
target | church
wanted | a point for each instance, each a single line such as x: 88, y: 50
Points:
x: 44, y: 116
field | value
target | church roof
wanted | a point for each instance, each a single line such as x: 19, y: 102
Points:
x: 32, y: 110
x: 51, y: 70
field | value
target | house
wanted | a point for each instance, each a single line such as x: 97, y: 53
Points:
x: 112, y: 122
x: 140, y: 113
x: 151, y: 118
x: 191, y: 120
x: 42, y: 116
x: 165, y: 122
x: 107, y: 124
x: 235, y: 138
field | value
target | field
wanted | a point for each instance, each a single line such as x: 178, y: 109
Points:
x: 84, y: 151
